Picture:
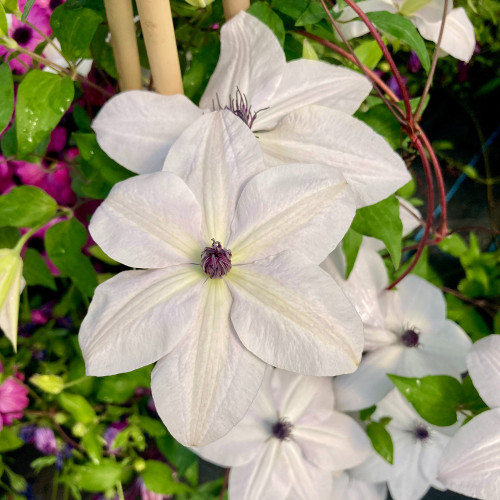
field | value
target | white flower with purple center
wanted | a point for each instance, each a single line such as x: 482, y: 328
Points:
x: 458, y: 35
x: 406, y: 332
x: 299, y: 111
x: 471, y: 462
x: 231, y: 283
x: 289, y: 442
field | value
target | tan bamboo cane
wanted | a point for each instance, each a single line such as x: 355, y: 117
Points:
x: 158, y: 30
x: 124, y: 42
x: 232, y: 7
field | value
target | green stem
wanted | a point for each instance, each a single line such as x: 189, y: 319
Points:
x: 55, y: 485
x: 119, y: 490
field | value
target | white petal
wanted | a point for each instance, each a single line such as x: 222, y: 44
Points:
x: 314, y: 82
x: 431, y: 453
x: 251, y: 60
x: 353, y: 29
x: 369, y: 383
x: 335, y: 443
x: 373, y: 469
x: 471, y: 462
x: 268, y: 477
x: 148, y: 221
x: 291, y: 314
x: 137, y: 317
x: 9, y: 311
x: 483, y: 363
x: 307, y: 208
x: 347, y: 487
x: 204, y: 387
x: 307, y: 480
x: 316, y: 134
x: 137, y: 128
x: 396, y: 406
x: 216, y: 157
x: 458, y: 37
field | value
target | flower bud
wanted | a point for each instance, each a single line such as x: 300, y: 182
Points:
x: 139, y: 464
x: 199, y: 3
x: 52, y: 384
x: 79, y: 430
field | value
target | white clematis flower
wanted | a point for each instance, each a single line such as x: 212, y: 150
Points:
x: 349, y: 487
x: 418, y: 447
x: 406, y: 332
x: 231, y: 250
x: 471, y: 462
x: 299, y: 111
x: 289, y: 442
x: 51, y: 52
x: 458, y: 36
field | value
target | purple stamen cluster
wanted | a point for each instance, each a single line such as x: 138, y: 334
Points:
x: 215, y: 260
x: 282, y: 429
x: 421, y: 433
x: 410, y: 338
x: 239, y: 106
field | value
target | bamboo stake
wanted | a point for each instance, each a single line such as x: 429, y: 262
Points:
x: 232, y: 7
x: 123, y: 40
x: 158, y: 30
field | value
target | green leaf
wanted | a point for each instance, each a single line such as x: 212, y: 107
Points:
x: 4, y: 28
x: 42, y: 100
x: 366, y: 413
x: 182, y: 458
x: 97, y: 477
x: 264, y: 13
x: 36, y: 271
x: 9, y: 236
x: 381, y: 441
x: 380, y: 119
x: 350, y: 246
x: 6, y: 94
x: 9, y: 440
x: 403, y: 29
x: 435, y: 398
x: 291, y: 8
x: 74, y: 28
x: 313, y: 13
x: 11, y: 7
x: 454, y: 245
x: 53, y: 384
x: 26, y: 9
x: 40, y: 463
x: 102, y: 52
x: 63, y: 243
x: 369, y: 53
x: 77, y: 406
x: 382, y: 221
x: 472, y: 400
x: 26, y: 206
x: 93, y: 443
x: 157, y: 477
x: 119, y: 388
x: 153, y: 427
x: 8, y: 144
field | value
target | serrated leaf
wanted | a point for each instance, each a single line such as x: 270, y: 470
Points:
x: 42, y: 100
x: 403, y: 29
x: 26, y: 206
x: 36, y: 271
x: 435, y: 398
x: 381, y: 441
x: 382, y: 221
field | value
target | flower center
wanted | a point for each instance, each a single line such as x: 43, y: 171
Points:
x: 421, y: 433
x: 410, y: 338
x: 215, y: 260
x: 282, y: 429
x: 239, y: 106
x: 22, y: 35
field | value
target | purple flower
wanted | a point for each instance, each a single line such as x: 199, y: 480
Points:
x: 45, y: 441
x: 393, y: 85
x: 13, y: 400
x: 414, y: 64
x: 27, y: 433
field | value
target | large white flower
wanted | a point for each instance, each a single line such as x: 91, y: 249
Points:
x: 261, y: 238
x: 289, y: 442
x: 299, y: 111
x: 406, y: 332
x: 471, y: 462
x: 418, y: 447
x: 458, y: 35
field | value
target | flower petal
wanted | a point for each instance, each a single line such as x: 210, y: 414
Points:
x: 483, y: 363
x: 335, y: 443
x: 137, y: 128
x: 125, y: 326
x: 305, y: 207
x: 348, y: 487
x: 314, y: 82
x: 470, y: 463
x: 226, y: 156
x: 369, y: 383
x: 316, y: 134
x: 9, y: 310
x: 291, y: 314
x: 458, y: 37
x: 251, y: 60
x: 148, y: 221
x: 204, y: 387
x: 268, y: 477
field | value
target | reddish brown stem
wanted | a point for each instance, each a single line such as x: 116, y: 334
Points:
x: 224, y: 484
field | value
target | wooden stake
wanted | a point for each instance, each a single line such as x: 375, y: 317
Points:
x: 124, y: 42
x: 232, y: 7
x: 158, y: 30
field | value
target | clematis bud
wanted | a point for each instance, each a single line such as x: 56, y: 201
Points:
x: 11, y: 284
x: 199, y: 3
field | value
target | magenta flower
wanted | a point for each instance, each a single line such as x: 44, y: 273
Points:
x: 45, y: 441
x: 13, y: 400
x: 6, y: 176
x: 27, y: 37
